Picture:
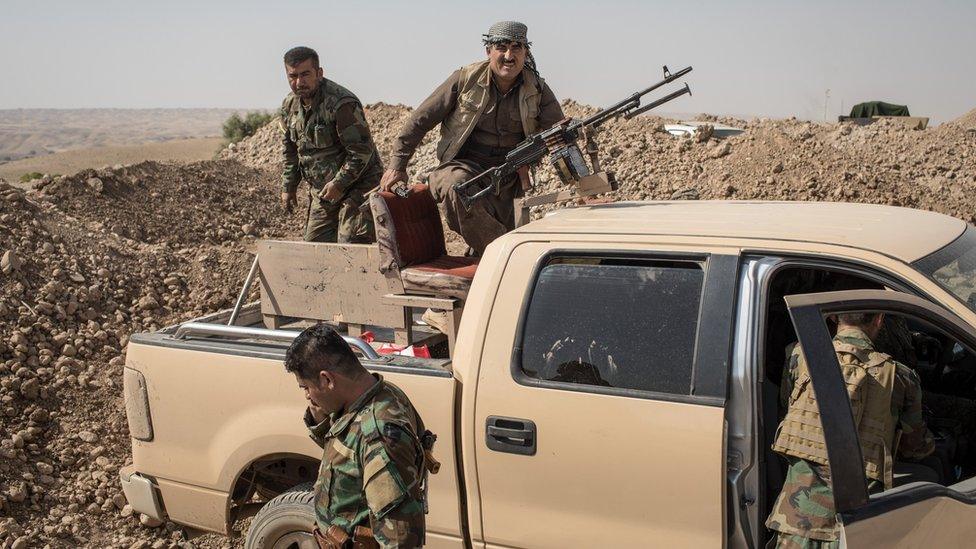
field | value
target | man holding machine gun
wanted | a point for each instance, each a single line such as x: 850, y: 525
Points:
x: 485, y: 109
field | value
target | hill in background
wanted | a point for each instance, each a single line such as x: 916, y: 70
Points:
x: 34, y: 132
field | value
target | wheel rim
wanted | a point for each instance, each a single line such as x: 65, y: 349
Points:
x: 296, y: 540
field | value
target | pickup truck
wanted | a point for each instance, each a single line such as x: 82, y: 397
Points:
x: 614, y: 382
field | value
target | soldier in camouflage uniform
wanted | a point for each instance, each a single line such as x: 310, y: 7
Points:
x: 886, y: 398
x: 484, y: 110
x: 326, y: 142
x: 372, y: 478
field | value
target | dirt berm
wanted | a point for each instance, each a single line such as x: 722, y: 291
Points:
x: 88, y: 259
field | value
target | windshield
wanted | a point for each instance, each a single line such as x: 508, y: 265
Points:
x: 954, y: 267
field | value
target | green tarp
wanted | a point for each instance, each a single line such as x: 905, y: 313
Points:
x: 878, y: 108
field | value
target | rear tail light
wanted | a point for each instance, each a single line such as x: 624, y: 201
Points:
x: 137, y: 405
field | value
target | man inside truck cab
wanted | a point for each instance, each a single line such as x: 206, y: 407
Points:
x: 372, y: 476
x: 886, y: 399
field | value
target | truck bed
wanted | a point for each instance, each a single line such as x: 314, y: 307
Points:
x: 216, y: 405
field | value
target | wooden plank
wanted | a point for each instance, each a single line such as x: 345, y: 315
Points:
x: 427, y: 302
x: 323, y: 281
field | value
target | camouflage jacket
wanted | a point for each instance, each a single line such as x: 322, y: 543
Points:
x: 328, y: 141
x: 372, y: 469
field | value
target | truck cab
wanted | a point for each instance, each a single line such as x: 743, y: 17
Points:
x: 614, y: 381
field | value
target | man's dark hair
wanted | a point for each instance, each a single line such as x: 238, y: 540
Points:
x: 321, y: 348
x: 856, y: 319
x: 300, y: 54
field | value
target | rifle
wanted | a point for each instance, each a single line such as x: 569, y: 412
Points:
x: 559, y: 142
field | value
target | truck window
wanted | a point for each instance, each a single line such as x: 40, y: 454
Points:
x: 628, y: 323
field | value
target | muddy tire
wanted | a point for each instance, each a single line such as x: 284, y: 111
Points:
x: 285, y: 522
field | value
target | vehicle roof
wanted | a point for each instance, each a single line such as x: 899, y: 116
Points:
x: 902, y: 233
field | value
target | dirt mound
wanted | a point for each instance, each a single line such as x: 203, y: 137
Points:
x: 966, y: 121
x: 85, y: 261
x: 883, y: 163
x: 214, y: 202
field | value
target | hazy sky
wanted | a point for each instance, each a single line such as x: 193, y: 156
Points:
x: 756, y: 58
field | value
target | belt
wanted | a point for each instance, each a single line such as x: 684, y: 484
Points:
x: 485, y: 150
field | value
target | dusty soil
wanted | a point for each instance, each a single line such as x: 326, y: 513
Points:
x: 69, y: 162
x: 88, y: 259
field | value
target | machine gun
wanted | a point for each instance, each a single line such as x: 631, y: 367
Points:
x: 559, y: 142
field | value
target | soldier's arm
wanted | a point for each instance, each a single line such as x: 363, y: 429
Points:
x: 391, y: 483
x: 291, y: 174
x: 550, y: 111
x: 430, y: 113
x: 917, y: 442
x: 317, y: 430
x: 788, y: 380
x: 355, y: 138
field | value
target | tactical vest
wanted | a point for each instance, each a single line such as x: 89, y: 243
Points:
x: 320, y: 153
x: 800, y: 433
x: 473, y: 86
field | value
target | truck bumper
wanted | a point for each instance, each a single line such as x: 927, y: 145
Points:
x: 141, y: 493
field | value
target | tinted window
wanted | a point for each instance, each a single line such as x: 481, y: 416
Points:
x: 614, y: 322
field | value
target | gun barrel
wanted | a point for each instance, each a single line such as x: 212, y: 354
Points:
x: 673, y: 95
x: 632, y: 101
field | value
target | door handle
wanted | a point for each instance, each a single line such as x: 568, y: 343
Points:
x: 510, y: 435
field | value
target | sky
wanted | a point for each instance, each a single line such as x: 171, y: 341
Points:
x: 763, y: 58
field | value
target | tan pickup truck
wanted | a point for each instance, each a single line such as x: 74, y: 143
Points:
x: 614, y: 383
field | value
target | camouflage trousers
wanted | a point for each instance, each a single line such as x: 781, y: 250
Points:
x: 341, y: 221
x: 804, y: 509
x: 487, y: 218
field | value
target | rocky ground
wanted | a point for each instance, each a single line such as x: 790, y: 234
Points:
x: 88, y: 259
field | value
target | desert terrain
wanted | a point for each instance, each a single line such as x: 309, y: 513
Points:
x: 27, y: 133
x: 75, y: 160
x: 92, y: 256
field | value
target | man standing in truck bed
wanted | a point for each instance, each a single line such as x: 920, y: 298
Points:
x: 326, y: 142
x: 484, y: 110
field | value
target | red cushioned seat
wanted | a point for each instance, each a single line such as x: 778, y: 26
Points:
x: 446, y: 275
x: 411, y: 239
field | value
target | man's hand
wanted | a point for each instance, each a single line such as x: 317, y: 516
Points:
x: 318, y: 414
x: 330, y: 192
x: 289, y: 201
x: 391, y: 178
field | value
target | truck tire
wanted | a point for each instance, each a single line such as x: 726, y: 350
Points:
x: 285, y: 522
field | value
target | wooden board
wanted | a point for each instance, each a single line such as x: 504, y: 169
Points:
x: 319, y: 281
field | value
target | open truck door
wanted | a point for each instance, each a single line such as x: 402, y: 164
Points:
x: 920, y: 514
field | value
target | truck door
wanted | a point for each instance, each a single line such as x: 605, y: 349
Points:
x: 919, y: 514
x: 600, y: 398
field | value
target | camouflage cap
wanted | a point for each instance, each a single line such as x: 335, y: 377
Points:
x: 507, y: 31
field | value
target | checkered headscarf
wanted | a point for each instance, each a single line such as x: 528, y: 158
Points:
x: 512, y: 31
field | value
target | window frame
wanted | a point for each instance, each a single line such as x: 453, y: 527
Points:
x: 713, y: 333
